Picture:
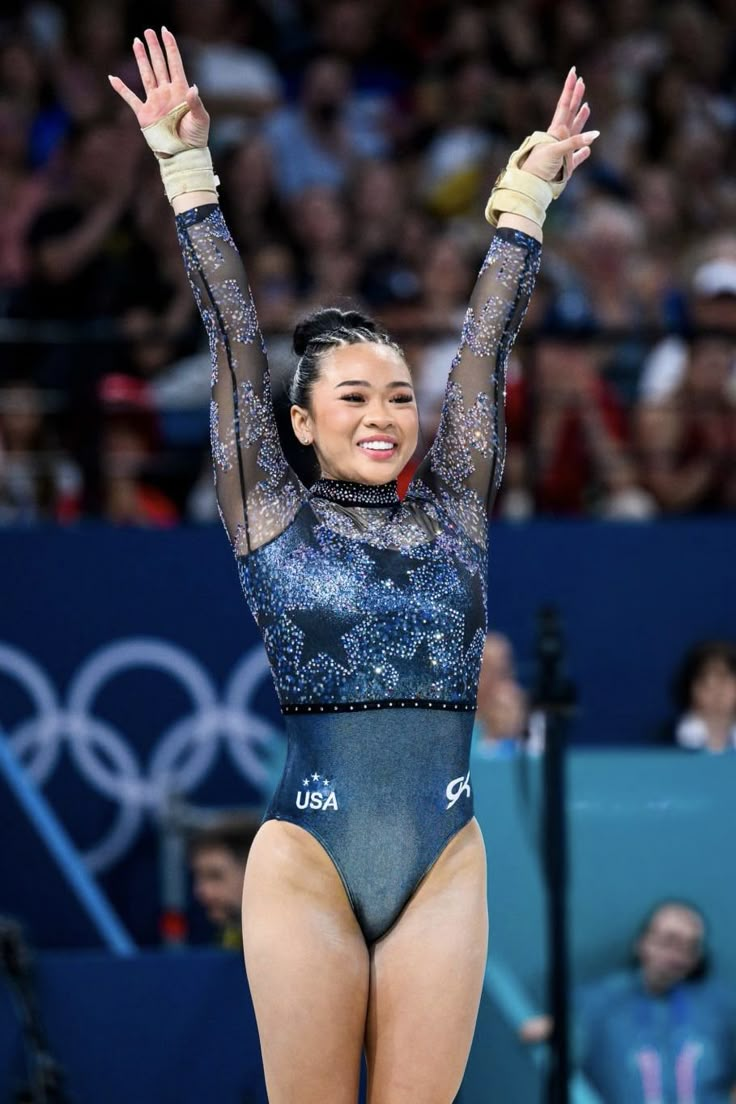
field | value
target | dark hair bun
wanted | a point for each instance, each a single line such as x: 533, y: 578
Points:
x: 330, y: 320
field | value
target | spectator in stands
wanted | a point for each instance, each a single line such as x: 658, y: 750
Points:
x: 318, y: 142
x: 711, y: 306
x: 705, y: 695
x: 217, y: 858
x: 663, y: 1030
x: 501, y: 715
x: 239, y: 81
x: 82, y: 244
x: 566, y: 426
x: 354, y: 146
x: 22, y: 195
x: 38, y: 481
x: 128, y: 449
x: 686, y: 443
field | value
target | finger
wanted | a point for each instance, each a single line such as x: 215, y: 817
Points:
x: 577, y: 141
x: 562, y: 110
x: 580, y: 119
x: 173, y: 57
x: 579, y: 156
x: 144, y: 66
x: 122, y: 90
x: 577, y: 98
x: 158, y: 61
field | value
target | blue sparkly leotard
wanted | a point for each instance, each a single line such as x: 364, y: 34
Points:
x: 372, y: 608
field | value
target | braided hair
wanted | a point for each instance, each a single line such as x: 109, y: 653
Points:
x: 327, y: 329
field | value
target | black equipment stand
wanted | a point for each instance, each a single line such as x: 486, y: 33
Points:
x: 46, y: 1077
x: 555, y: 701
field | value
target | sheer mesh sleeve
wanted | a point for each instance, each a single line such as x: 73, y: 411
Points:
x: 465, y: 463
x: 257, y: 492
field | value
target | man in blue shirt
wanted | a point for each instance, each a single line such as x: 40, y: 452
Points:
x: 660, y: 1034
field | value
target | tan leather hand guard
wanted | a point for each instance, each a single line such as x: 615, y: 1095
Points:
x: 183, y: 168
x: 522, y: 193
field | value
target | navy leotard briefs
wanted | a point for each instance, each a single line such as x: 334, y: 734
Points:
x: 372, y: 609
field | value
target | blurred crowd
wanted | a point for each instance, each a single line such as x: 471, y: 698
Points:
x: 357, y: 141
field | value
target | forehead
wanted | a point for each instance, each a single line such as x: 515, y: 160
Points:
x: 366, y: 360
x: 716, y: 665
x: 212, y: 855
x: 677, y: 921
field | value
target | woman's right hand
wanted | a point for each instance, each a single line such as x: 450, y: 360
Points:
x: 166, y: 86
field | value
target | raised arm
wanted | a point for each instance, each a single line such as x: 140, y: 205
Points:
x: 465, y: 463
x: 258, y: 494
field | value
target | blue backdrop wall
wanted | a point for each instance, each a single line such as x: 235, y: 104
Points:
x: 130, y: 667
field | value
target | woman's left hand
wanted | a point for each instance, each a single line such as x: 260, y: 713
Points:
x: 573, y: 144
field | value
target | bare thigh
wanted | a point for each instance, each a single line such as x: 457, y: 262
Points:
x: 426, y: 981
x: 308, y: 969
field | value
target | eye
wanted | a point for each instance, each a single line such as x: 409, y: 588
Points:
x: 355, y: 397
x: 403, y: 398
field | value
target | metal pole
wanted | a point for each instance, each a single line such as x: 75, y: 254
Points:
x: 96, y: 905
x: 555, y: 698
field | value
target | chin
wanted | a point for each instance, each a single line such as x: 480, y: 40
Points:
x: 375, y: 471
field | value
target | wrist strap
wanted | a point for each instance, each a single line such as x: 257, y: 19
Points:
x: 522, y: 193
x: 188, y: 171
x: 183, y: 168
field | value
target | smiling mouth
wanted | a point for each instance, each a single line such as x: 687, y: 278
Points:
x: 379, y: 450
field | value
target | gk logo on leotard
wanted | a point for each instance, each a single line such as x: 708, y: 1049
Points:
x: 317, y: 792
x: 456, y: 788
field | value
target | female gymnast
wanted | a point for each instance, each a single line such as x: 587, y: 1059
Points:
x: 364, y: 907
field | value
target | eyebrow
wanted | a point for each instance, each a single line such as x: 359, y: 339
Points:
x: 367, y: 383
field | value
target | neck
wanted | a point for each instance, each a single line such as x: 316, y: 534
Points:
x: 655, y: 986
x: 346, y: 492
x: 719, y: 730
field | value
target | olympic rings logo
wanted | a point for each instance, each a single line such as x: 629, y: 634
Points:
x: 183, y: 755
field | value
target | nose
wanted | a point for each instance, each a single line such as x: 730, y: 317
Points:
x: 379, y: 416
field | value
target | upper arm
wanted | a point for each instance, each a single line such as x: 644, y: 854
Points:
x: 465, y: 463
x: 257, y: 492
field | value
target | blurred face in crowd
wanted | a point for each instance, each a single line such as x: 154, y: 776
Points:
x: 96, y: 159
x: 250, y: 173
x: 326, y: 87
x: 714, y: 690
x: 446, y: 277
x: 217, y: 875
x: 715, y: 312
x: 362, y: 415
x: 709, y: 369
x: 20, y: 416
x: 671, y: 947
x: 318, y: 219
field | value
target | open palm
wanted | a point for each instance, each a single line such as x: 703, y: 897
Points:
x: 166, y: 87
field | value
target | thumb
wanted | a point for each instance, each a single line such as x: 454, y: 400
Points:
x: 195, y: 105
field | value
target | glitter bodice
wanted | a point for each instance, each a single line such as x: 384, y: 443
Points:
x: 363, y: 600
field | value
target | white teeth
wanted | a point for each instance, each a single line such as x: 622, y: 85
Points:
x: 382, y: 446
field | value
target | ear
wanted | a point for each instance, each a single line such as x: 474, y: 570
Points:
x: 301, y: 423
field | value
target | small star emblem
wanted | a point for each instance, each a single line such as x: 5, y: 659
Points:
x: 315, y: 778
x: 326, y: 781
x: 305, y: 782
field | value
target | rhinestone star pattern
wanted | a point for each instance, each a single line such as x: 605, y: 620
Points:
x: 363, y: 600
